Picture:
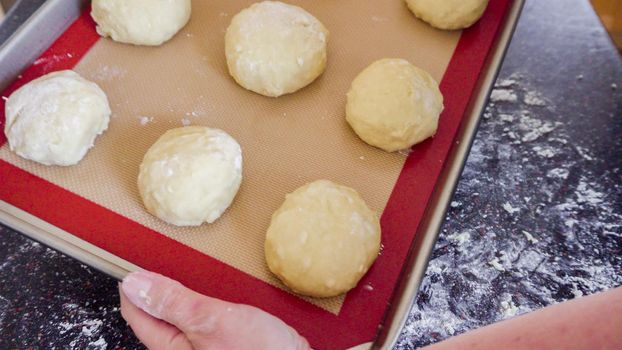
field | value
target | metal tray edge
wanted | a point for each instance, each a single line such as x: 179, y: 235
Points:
x: 35, y: 35
x: 64, y: 241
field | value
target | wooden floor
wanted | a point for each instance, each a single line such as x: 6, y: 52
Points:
x: 610, y: 12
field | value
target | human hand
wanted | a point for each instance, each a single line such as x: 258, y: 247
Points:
x: 166, y: 315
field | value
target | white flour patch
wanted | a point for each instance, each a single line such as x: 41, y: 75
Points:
x: 379, y: 19
x: 584, y: 153
x: 588, y: 195
x: 506, y: 117
x: 460, y: 238
x: 506, y: 82
x: 508, y: 308
x: 534, y: 128
x: 405, y: 152
x: 509, y: 208
x: 546, y: 152
x: 108, y: 73
x: 533, y: 98
x: 144, y: 120
x: 559, y: 173
x: 4, y: 309
x: 496, y: 263
x: 503, y: 95
x: 46, y: 62
x: 99, y: 344
x: 90, y: 327
x: 530, y: 237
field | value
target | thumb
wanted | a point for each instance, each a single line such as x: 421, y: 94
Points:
x: 209, y: 323
x: 169, y: 300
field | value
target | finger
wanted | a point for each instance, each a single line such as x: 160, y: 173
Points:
x: 170, y: 301
x: 209, y: 322
x: 153, y: 333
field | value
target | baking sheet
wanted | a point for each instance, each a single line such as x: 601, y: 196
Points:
x: 286, y: 141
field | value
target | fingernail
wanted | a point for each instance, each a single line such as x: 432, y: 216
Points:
x: 136, y: 287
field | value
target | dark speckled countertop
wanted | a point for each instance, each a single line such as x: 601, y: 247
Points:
x: 536, y: 219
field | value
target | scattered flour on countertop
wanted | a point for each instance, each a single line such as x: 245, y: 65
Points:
x: 532, y: 98
x: 558, y: 173
x: 546, y: 152
x: 534, y: 128
x: 496, y: 263
x: 564, y: 200
x: 584, y: 153
x: 503, y: 95
x: 508, y: 308
x: 4, y: 309
x: 509, y: 208
x: 99, y: 344
x: 90, y: 327
x: 505, y: 83
x: 506, y: 117
x: 460, y: 238
x: 530, y: 237
x: 588, y: 195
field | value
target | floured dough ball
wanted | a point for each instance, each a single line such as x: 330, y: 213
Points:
x: 448, y: 14
x: 393, y: 105
x: 322, y: 240
x: 140, y: 22
x: 55, y: 119
x: 273, y: 48
x: 190, y: 175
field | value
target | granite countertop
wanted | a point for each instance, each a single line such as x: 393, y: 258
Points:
x: 536, y: 218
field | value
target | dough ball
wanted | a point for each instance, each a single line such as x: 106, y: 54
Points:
x: 322, y: 240
x: 448, y: 14
x: 140, y: 22
x: 55, y: 119
x: 190, y: 175
x: 273, y: 48
x: 393, y: 105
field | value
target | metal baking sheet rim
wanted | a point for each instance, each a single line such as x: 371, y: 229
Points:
x: 56, y: 16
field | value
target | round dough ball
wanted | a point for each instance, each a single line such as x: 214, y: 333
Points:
x: 55, y: 119
x: 273, y: 48
x: 322, y: 240
x: 393, y: 105
x: 190, y: 175
x: 448, y: 14
x: 140, y: 22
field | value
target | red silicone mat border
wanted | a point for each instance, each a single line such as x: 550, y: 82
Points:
x: 364, y: 307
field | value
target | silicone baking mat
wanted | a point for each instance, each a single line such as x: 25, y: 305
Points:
x: 286, y: 142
